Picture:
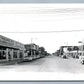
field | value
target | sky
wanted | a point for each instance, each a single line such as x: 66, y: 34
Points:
x: 17, y: 21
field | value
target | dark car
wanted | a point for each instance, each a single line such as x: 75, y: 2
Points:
x: 64, y: 56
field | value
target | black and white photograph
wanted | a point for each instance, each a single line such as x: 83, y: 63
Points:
x: 42, y: 41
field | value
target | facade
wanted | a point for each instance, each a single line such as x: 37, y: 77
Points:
x: 69, y: 51
x: 10, y: 49
x: 14, y: 51
x: 72, y: 51
x: 64, y: 49
x: 31, y: 46
x: 35, y: 51
x: 32, y: 50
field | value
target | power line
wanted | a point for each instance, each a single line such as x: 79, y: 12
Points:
x: 81, y: 30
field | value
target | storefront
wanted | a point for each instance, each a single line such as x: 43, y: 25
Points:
x: 10, y: 49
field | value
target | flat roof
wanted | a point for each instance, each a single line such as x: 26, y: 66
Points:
x: 6, y: 42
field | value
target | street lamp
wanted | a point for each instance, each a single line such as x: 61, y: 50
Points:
x: 32, y: 45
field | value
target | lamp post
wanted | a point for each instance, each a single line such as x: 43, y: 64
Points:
x: 32, y: 45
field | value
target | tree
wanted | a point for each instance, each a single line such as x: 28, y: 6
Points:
x: 57, y: 53
x: 41, y: 50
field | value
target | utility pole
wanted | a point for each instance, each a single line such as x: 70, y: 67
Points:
x: 31, y: 47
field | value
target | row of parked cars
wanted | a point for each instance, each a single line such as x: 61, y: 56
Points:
x: 80, y: 57
x: 77, y: 55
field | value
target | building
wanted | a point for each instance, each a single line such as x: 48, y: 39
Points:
x: 71, y: 51
x: 31, y: 46
x: 10, y: 49
x: 68, y: 51
x: 32, y: 49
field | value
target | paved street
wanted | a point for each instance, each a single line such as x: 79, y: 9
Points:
x: 48, y: 64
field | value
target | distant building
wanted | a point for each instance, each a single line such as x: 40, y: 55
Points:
x: 68, y: 50
x: 72, y: 51
x: 32, y: 49
x: 64, y: 49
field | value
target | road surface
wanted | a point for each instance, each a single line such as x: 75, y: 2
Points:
x: 48, y: 64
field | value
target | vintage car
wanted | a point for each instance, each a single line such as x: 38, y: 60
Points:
x: 65, y: 56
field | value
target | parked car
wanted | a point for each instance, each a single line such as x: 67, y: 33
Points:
x: 64, y: 56
x: 73, y: 56
x: 77, y: 56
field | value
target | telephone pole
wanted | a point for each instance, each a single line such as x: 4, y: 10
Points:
x: 32, y: 45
